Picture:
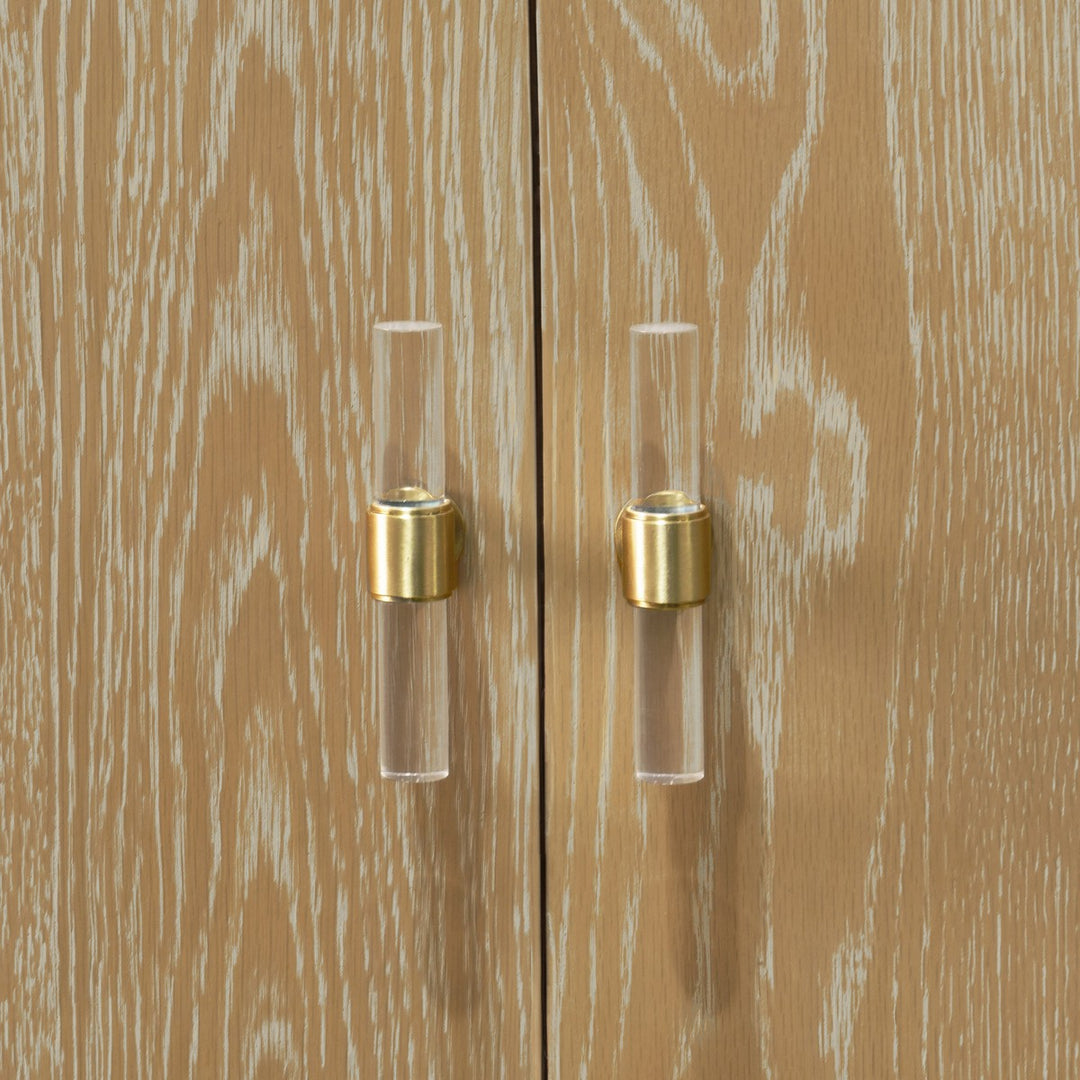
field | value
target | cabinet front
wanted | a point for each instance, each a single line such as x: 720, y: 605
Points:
x: 539, y: 539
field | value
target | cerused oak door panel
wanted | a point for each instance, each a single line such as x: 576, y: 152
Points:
x: 204, y: 209
x: 872, y: 213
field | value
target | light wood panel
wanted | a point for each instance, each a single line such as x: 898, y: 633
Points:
x: 203, y: 875
x: 872, y: 212
x: 29, y: 1030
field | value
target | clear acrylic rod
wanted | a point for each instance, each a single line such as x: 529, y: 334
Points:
x: 666, y: 455
x: 412, y: 695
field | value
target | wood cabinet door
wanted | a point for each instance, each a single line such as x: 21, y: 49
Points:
x: 871, y: 211
x: 203, y: 210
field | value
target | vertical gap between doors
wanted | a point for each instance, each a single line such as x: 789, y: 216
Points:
x: 538, y: 384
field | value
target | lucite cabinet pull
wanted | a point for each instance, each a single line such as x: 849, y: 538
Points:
x: 663, y: 542
x: 414, y: 539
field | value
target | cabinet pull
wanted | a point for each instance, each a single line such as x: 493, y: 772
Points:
x: 415, y: 535
x: 663, y: 543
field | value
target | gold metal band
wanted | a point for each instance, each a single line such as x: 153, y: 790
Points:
x: 414, y: 541
x: 664, y: 546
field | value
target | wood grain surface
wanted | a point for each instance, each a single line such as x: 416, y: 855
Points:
x: 29, y: 977
x: 205, y: 207
x: 872, y: 213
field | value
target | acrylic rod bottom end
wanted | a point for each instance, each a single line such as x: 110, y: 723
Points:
x: 670, y: 778
x: 416, y: 777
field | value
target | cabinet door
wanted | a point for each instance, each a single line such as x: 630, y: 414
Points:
x: 203, y: 210
x: 872, y: 213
